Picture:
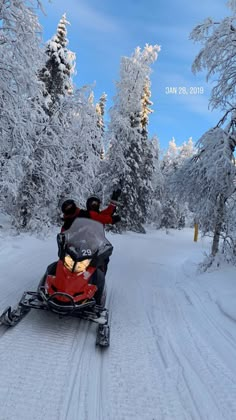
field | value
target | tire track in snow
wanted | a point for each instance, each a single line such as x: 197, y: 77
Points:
x: 214, y: 377
x: 223, y: 333
x: 185, y: 391
x: 175, y: 375
x: 83, y: 379
x: 187, y: 383
x: 34, y: 368
x: 138, y: 383
x: 219, y: 382
x: 87, y: 398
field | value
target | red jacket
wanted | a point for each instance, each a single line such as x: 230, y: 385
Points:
x: 104, y: 216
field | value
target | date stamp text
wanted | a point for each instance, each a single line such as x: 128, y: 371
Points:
x: 184, y: 90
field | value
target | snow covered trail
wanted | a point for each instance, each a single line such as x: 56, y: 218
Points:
x: 172, y: 352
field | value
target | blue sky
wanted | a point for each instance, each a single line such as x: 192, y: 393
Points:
x: 103, y: 31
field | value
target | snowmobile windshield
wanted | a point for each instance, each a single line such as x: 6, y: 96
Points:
x: 88, y: 237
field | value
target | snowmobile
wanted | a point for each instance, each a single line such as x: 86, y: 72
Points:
x: 67, y: 288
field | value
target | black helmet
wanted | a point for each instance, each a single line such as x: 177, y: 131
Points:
x: 68, y: 207
x: 93, y: 203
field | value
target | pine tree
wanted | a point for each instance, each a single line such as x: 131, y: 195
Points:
x: 37, y: 195
x: 146, y: 192
x: 126, y: 157
x: 59, y: 67
x: 146, y: 103
x: 172, y: 206
x: 169, y: 218
x: 100, y: 110
x: 39, y: 189
x: 217, y: 56
x: 206, y: 181
x: 157, y: 182
x: 83, y: 138
x: 20, y: 58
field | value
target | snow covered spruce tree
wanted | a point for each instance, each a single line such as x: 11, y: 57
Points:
x: 100, y: 110
x: 155, y: 211
x: 65, y: 162
x: 169, y: 218
x: 35, y: 168
x: 209, y: 178
x: 206, y: 181
x: 84, y: 152
x: 39, y: 189
x: 20, y: 58
x: 129, y: 155
x: 59, y: 66
x: 218, y: 56
x: 174, y: 212
x: 149, y: 155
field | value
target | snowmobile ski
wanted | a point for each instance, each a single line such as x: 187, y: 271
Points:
x: 103, y: 336
x: 11, y: 317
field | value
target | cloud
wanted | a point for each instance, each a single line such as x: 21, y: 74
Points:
x: 86, y: 16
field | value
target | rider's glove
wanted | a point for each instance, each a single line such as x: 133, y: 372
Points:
x: 116, y: 218
x: 115, y: 195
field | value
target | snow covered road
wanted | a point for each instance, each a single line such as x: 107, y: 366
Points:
x: 173, y: 337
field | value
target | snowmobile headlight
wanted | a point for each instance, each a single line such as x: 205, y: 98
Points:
x: 69, y: 262
x: 78, y: 267
x: 82, y: 265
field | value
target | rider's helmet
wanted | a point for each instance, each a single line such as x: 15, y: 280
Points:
x: 68, y: 207
x: 93, y: 203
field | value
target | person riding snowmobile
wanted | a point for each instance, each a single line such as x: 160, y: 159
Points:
x: 106, y: 216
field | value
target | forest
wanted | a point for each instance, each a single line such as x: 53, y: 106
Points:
x: 56, y: 145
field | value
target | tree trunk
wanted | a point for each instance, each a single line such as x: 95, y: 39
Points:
x: 218, y: 225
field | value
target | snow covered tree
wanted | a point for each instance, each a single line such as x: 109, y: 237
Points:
x: 174, y: 211
x: 20, y: 58
x: 206, y: 181
x: 64, y: 163
x: 39, y: 190
x: 146, y: 103
x: 44, y: 169
x: 170, y: 157
x: 170, y: 206
x: 59, y: 67
x: 147, y: 169
x: 83, y: 138
x: 155, y: 211
x: 218, y: 56
x: 186, y: 150
x: 100, y: 110
x: 126, y: 156
x: 148, y: 153
x: 91, y: 98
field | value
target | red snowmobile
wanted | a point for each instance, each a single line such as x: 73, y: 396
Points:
x: 74, y: 284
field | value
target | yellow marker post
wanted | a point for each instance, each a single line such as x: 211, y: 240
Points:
x: 195, y: 232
